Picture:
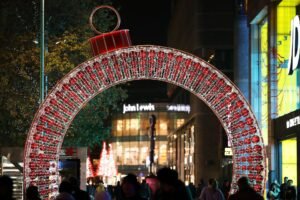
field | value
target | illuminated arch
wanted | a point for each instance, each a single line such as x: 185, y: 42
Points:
x: 92, y: 77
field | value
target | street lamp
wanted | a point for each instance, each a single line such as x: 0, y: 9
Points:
x: 152, y: 121
x: 42, y: 52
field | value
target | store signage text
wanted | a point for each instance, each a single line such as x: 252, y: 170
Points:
x: 293, y: 122
x: 138, y: 107
x: 293, y: 63
x: 179, y: 108
x: 227, y: 151
x: 151, y: 107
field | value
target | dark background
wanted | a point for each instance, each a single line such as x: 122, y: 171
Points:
x: 148, y: 24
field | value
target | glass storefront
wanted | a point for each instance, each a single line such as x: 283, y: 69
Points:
x: 260, y: 74
x: 137, y: 124
x: 275, y: 95
x: 287, y: 133
x: 288, y: 86
x: 137, y: 152
x: 181, y: 147
x: 289, y: 159
x: 131, y: 137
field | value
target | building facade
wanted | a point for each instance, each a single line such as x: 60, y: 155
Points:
x: 205, y: 29
x: 274, y: 86
x: 253, y: 39
x: 131, y: 135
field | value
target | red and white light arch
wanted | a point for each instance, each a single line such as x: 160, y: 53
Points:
x: 90, y: 78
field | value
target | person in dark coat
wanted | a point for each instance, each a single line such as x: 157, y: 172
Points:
x: 130, y: 188
x: 245, y: 191
x: 171, y: 188
x: 32, y: 193
x: 77, y: 193
x: 283, y: 187
x: 225, y: 188
x: 211, y: 192
x: 6, y: 188
x: 290, y: 191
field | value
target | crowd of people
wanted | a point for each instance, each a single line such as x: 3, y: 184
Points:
x: 164, y: 186
x: 284, y: 191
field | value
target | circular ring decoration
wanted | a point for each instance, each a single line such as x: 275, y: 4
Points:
x: 52, y: 120
x: 101, y: 7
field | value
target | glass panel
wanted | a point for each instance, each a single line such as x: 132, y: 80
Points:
x: 119, y: 127
x: 263, y: 60
x: 131, y: 153
x: 144, y: 124
x: 179, y: 122
x: 162, y: 157
x: 288, y: 85
x: 126, y: 129
x: 144, y: 152
x: 289, y: 159
x: 163, y: 127
x: 134, y: 127
x: 118, y: 152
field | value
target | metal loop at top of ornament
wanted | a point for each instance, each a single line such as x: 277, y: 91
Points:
x: 101, y: 7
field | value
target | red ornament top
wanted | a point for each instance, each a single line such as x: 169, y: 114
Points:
x: 105, y: 42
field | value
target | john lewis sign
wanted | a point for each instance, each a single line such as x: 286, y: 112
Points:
x: 138, y: 107
x: 295, y: 46
x: 152, y: 107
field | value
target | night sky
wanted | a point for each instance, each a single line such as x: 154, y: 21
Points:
x: 148, y: 24
x: 146, y: 20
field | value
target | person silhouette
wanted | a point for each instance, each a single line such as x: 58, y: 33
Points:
x: 6, y: 188
x: 283, y: 187
x: 290, y: 191
x: 32, y: 193
x: 171, y: 188
x: 77, y: 193
x: 130, y: 188
x: 274, y: 192
x: 245, y: 191
x: 212, y: 191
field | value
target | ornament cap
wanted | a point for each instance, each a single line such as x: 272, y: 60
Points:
x: 109, y: 41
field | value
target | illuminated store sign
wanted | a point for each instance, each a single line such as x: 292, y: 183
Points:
x: 227, y: 151
x: 295, y: 46
x: 151, y: 107
x: 179, y: 108
x: 138, y: 107
x: 293, y: 122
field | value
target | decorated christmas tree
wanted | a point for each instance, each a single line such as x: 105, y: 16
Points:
x: 111, y: 168
x: 103, y: 162
x: 89, y: 168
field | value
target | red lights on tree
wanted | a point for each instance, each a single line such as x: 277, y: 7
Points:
x: 112, y: 169
x: 89, y: 168
x: 103, y: 161
x: 106, y: 165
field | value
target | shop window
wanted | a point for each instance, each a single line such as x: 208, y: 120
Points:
x: 179, y: 122
x: 144, y: 152
x: 119, y: 127
x: 289, y: 159
x: 263, y: 29
x: 163, y: 127
x: 144, y: 123
x: 288, y: 86
x: 134, y: 127
x: 162, y: 158
x: 131, y: 153
x: 126, y: 128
